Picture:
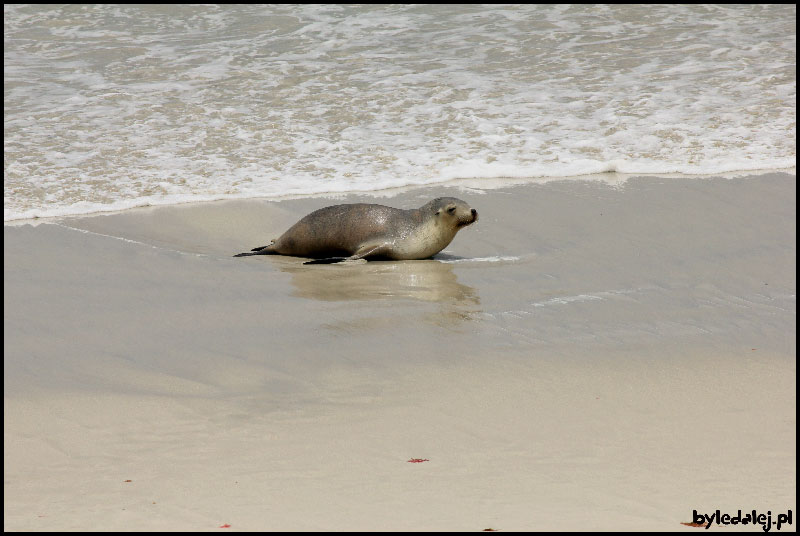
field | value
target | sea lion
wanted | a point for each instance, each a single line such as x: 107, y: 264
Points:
x: 360, y: 231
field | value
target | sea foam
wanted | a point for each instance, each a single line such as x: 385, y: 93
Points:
x: 112, y: 107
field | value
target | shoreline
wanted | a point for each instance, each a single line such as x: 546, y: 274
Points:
x: 596, y: 358
x: 610, y: 178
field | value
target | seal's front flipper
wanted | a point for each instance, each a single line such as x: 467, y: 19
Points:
x: 370, y: 250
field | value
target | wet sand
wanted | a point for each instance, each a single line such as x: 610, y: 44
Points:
x: 585, y: 357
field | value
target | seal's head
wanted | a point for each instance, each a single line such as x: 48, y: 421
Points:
x: 450, y: 210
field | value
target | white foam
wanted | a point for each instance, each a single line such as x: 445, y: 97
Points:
x: 121, y: 106
x: 506, y: 258
x: 566, y: 299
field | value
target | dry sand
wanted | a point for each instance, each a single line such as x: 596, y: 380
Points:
x: 585, y: 357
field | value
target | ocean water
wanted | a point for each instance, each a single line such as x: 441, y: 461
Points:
x: 115, y: 106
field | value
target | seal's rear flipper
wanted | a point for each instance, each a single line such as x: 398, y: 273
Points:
x: 362, y: 253
x: 258, y: 251
x: 329, y: 260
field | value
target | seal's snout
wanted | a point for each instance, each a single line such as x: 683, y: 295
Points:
x: 468, y: 219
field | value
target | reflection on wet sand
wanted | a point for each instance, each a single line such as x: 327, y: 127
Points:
x: 425, y: 280
x: 383, y: 283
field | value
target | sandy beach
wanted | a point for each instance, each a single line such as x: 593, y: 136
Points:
x: 585, y: 357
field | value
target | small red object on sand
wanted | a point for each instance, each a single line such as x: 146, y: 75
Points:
x: 417, y: 460
x: 225, y: 526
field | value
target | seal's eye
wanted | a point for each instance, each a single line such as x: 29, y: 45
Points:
x: 451, y: 210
